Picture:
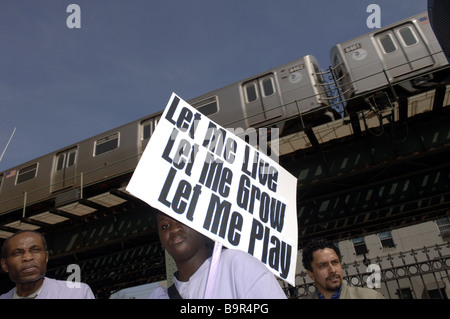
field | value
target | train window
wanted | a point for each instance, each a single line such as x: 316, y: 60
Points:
x: 71, y: 157
x: 250, y: 92
x: 106, y: 144
x: 408, y: 37
x: 387, y: 43
x: 60, y: 161
x: 267, y: 86
x: 27, y: 173
x: 318, y: 73
x: 147, y: 129
x: 339, y: 70
x: 208, y: 106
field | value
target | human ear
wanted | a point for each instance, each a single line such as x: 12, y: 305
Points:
x: 311, y: 274
x: 4, y: 266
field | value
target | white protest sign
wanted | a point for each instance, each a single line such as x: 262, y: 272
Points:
x: 214, y: 182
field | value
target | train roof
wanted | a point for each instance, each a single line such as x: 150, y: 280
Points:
x: 93, y: 137
x: 257, y: 75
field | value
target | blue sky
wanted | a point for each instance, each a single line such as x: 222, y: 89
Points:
x: 59, y: 85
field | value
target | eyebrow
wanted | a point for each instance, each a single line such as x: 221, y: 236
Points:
x: 326, y: 262
x: 161, y: 219
x: 32, y: 247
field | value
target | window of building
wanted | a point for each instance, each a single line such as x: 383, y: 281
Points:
x: 360, y: 246
x: 106, y: 144
x: 404, y: 293
x: 208, y: 106
x: 386, y: 239
x: 444, y: 226
x: 27, y: 173
x: 437, y: 293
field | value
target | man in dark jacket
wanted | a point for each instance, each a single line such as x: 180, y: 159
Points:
x: 322, y: 261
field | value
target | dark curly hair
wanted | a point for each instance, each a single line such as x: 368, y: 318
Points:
x: 316, y: 244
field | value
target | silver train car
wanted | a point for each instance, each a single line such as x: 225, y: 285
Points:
x: 269, y: 99
x: 59, y: 177
x: 405, y: 54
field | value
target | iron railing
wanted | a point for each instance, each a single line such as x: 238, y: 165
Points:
x: 421, y: 273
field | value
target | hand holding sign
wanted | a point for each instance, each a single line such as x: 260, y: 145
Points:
x: 209, y: 179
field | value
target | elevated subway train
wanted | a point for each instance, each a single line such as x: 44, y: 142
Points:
x: 264, y: 100
x: 405, y: 56
x: 271, y: 98
x: 291, y: 97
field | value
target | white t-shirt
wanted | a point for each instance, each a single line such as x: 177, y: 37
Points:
x: 56, y: 289
x: 239, y: 276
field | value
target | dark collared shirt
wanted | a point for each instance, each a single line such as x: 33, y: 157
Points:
x: 336, y: 294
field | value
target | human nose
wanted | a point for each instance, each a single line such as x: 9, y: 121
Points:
x: 176, y: 227
x: 27, y: 255
x: 332, y: 269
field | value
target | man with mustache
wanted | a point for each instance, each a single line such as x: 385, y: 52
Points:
x: 239, y: 275
x: 322, y: 261
x: 24, y: 258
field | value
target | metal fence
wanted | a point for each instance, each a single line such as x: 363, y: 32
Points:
x: 415, y: 274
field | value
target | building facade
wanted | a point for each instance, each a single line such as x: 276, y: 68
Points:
x: 406, y: 263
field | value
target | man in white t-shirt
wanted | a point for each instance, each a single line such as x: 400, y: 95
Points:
x: 24, y: 258
x: 239, y: 275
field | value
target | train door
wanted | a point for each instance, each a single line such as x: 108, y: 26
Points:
x: 64, y: 169
x: 262, y: 101
x: 403, y: 50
